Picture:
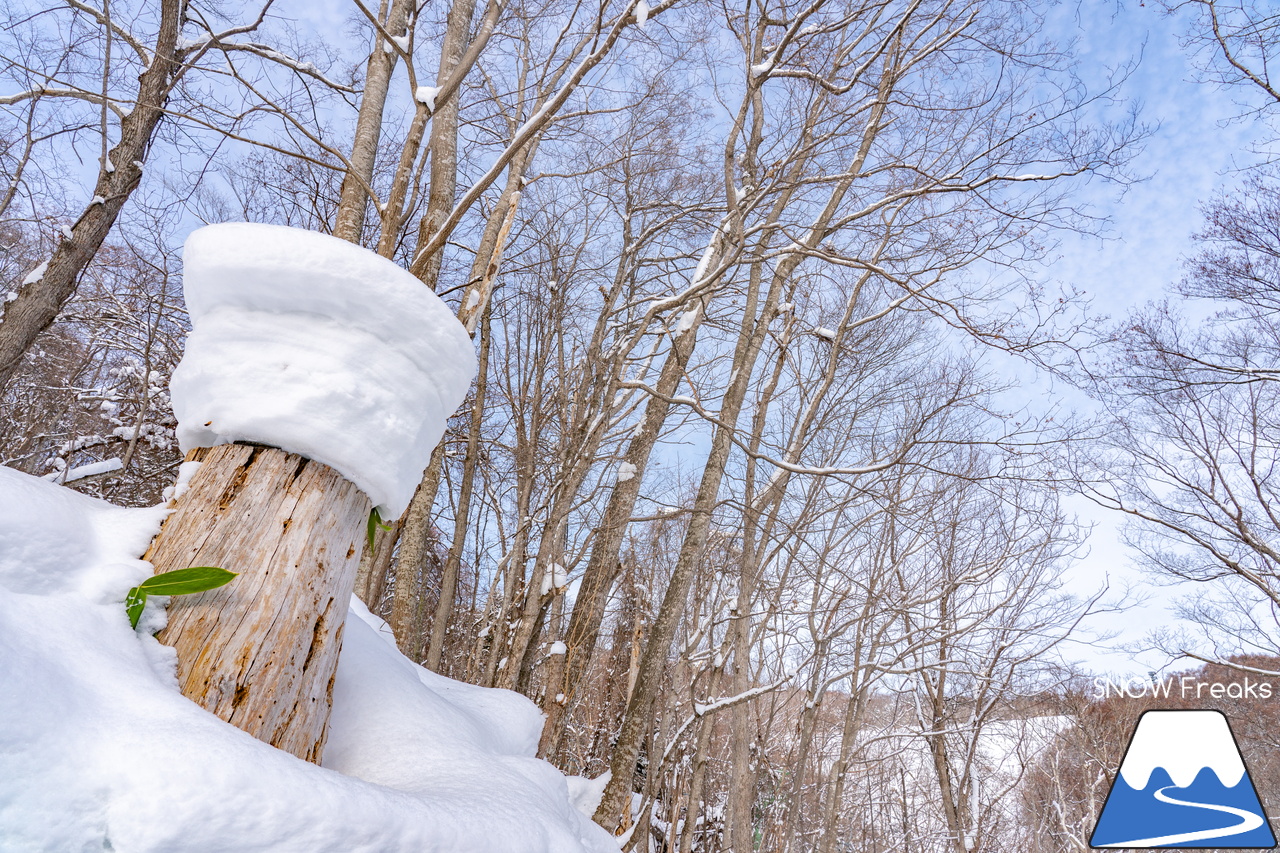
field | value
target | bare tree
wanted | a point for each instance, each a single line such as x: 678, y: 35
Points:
x: 121, y: 94
x: 1189, y: 435
x: 852, y: 181
x: 42, y: 295
x: 1235, y: 44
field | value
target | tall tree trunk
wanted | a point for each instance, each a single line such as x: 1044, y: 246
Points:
x: 262, y: 652
x: 38, y: 303
x: 799, y: 765
x: 413, y: 526
x: 355, y: 194
x: 512, y: 577
x: 740, y: 796
x: 755, y: 319
x: 443, y: 142
x: 840, y: 770
x: 697, y: 783
x: 415, y: 539
x: 757, y: 314
x: 663, y: 631
x: 453, y: 563
x: 952, y: 802
x: 565, y: 673
x: 405, y: 613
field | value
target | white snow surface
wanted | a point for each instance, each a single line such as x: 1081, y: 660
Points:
x: 555, y: 578
x: 315, y: 345
x: 586, y: 793
x: 106, y: 466
x: 36, y: 274
x: 1183, y: 743
x: 99, y: 750
x: 687, y: 321
x: 427, y: 95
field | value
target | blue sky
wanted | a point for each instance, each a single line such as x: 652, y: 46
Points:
x: 1195, y: 149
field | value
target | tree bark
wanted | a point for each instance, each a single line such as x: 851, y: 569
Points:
x: 760, y: 308
x: 565, y: 673
x: 697, y: 784
x: 443, y: 142
x: 453, y: 563
x: 800, y: 761
x: 740, y: 796
x: 839, y: 772
x: 405, y: 619
x: 262, y: 652
x: 673, y: 602
x: 354, y: 195
x: 952, y: 804
x: 415, y: 530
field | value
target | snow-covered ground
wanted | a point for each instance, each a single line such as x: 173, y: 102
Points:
x: 99, y: 750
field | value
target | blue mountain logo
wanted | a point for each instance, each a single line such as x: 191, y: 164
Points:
x: 1183, y: 783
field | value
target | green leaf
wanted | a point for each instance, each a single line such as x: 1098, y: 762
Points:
x: 375, y: 521
x: 183, y: 581
x: 133, y: 604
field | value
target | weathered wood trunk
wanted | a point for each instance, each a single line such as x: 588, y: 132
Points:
x: 262, y: 652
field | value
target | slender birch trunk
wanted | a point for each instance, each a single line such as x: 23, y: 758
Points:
x: 405, y: 614
x: 671, y: 610
x: 354, y: 195
x: 564, y: 677
x: 453, y: 564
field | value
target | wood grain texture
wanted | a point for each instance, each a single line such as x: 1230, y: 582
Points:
x: 262, y: 651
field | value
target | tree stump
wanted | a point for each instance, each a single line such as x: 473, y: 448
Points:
x: 262, y: 651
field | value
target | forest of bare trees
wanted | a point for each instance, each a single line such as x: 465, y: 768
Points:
x: 740, y: 497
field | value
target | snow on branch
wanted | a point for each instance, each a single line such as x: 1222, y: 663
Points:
x: 50, y: 92
x: 270, y: 54
x: 81, y: 472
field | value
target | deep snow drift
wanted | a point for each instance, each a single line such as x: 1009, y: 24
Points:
x: 99, y: 750
x: 312, y: 344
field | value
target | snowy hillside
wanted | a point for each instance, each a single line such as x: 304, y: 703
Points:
x: 99, y: 751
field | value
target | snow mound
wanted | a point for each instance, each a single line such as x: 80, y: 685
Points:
x: 320, y: 347
x: 99, y: 750
x: 54, y: 539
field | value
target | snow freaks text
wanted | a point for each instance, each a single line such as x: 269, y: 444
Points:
x: 1183, y: 687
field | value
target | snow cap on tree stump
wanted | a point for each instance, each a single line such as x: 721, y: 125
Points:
x: 314, y: 345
